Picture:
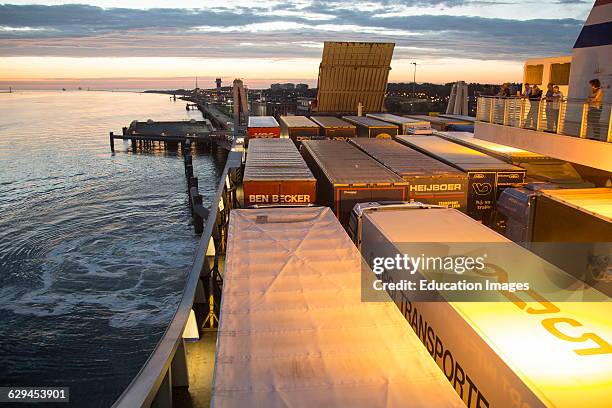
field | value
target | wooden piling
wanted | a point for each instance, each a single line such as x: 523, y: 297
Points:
x: 112, y: 142
x: 196, y: 202
x: 188, y: 166
x: 133, y: 145
x: 192, y: 182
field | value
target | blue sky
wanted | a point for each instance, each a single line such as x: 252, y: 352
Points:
x: 281, y: 39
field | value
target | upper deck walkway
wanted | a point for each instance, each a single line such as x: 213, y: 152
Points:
x: 571, y: 130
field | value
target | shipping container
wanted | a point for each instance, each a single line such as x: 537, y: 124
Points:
x: 538, y: 167
x: 430, y: 180
x: 293, y: 331
x: 524, y: 350
x: 298, y: 128
x: 578, y: 224
x: 406, y: 126
x: 516, y: 208
x: 334, y: 128
x: 505, y: 153
x: 441, y: 123
x: 275, y: 174
x: 514, y: 211
x: 346, y: 176
x: 360, y: 209
x: 374, y: 128
x: 579, y: 214
x: 487, y: 176
x: 462, y: 118
x: 263, y: 127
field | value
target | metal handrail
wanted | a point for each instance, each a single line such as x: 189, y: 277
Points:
x: 141, y: 392
x: 568, y: 117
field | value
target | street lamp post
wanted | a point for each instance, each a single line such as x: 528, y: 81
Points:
x: 414, y: 81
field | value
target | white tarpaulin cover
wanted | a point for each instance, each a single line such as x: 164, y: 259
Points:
x: 294, y: 332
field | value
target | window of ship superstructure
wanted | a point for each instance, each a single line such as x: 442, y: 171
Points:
x: 559, y: 73
x: 533, y: 74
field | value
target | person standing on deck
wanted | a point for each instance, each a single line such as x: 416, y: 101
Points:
x: 557, y: 100
x: 526, y: 92
x: 525, y: 95
x: 550, y: 124
x: 504, y: 92
x: 535, y: 94
x: 595, y: 107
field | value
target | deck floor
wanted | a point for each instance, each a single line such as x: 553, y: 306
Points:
x: 201, y: 362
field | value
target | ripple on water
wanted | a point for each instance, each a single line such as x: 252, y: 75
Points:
x: 94, y: 247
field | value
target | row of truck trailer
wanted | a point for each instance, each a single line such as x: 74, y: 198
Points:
x: 494, y: 184
x: 299, y: 328
x: 381, y: 125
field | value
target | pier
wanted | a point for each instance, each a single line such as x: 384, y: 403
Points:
x: 214, y: 132
x: 145, y: 135
x: 218, y: 119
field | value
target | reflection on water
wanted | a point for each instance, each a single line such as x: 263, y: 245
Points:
x: 94, y: 247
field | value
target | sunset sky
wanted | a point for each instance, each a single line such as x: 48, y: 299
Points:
x: 165, y: 44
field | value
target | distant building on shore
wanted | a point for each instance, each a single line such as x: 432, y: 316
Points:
x: 289, y: 86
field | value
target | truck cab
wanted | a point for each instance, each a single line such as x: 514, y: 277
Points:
x: 354, y: 227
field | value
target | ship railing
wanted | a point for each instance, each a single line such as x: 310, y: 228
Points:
x: 166, y: 366
x: 568, y: 117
